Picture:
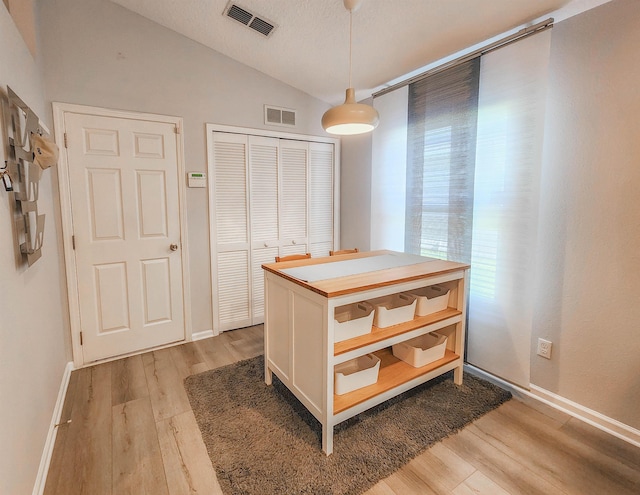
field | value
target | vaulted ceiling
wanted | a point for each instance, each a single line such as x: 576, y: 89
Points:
x: 309, y: 47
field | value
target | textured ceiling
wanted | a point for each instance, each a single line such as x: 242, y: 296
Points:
x: 309, y: 49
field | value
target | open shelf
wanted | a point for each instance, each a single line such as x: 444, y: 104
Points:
x: 393, y: 372
x: 379, y: 334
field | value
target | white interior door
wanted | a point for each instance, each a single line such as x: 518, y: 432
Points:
x: 124, y: 189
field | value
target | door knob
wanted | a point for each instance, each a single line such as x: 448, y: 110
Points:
x: 173, y: 247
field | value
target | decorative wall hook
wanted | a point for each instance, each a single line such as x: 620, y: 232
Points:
x: 29, y: 152
x: 6, y: 178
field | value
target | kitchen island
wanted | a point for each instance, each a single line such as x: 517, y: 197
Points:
x: 302, y: 299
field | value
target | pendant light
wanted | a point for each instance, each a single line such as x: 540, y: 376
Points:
x: 350, y: 117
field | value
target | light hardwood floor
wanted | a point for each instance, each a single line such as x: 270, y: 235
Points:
x: 132, y: 431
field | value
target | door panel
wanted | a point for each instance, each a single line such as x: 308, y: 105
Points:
x: 231, y: 275
x: 233, y: 288
x: 152, y: 203
x: 123, y: 178
x: 105, y: 204
x: 112, y: 295
x: 230, y: 190
x: 293, y: 164
x: 264, y: 154
x: 321, y: 180
x: 156, y: 283
x: 148, y: 145
x: 258, y: 258
x: 263, y: 166
x: 101, y: 142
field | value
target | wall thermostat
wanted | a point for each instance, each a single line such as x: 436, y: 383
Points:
x: 197, y: 179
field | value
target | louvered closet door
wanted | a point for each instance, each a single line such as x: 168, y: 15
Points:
x: 321, y: 179
x: 293, y: 196
x: 265, y: 231
x: 231, y: 273
x: 270, y: 197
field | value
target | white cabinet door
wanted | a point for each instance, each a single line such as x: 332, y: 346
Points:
x: 232, y: 258
x: 321, y: 198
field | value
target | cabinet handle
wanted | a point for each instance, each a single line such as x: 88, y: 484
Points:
x: 293, y: 242
x: 266, y: 245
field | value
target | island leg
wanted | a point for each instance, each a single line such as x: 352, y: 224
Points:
x: 268, y: 374
x: 327, y: 438
x: 457, y: 375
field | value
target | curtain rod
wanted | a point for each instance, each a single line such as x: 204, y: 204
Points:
x: 523, y: 33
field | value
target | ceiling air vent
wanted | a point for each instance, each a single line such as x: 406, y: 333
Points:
x: 249, y: 19
x: 279, y: 116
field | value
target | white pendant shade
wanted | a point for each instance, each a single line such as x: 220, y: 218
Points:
x: 350, y: 117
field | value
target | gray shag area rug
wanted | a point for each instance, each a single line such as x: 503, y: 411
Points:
x: 263, y: 441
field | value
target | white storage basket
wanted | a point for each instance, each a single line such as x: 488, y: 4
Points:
x: 421, y: 350
x: 394, y: 309
x: 356, y: 373
x: 352, y: 320
x: 431, y: 299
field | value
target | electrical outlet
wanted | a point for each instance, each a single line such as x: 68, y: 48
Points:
x: 544, y: 348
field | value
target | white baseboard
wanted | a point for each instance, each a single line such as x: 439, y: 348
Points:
x: 45, y: 460
x: 594, y: 418
x: 578, y: 411
x: 204, y: 334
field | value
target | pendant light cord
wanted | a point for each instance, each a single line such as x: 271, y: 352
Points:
x: 350, y: 43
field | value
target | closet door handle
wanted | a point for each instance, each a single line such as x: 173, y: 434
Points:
x: 173, y: 247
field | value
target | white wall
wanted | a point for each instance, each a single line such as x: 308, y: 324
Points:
x: 589, y: 305
x: 355, y: 192
x: 33, y: 324
x: 98, y: 53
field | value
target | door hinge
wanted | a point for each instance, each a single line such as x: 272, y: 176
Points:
x: 176, y: 129
x: 81, y: 338
x: 73, y: 242
x: 66, y: 143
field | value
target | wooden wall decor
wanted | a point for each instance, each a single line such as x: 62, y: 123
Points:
x: 21, y: 175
